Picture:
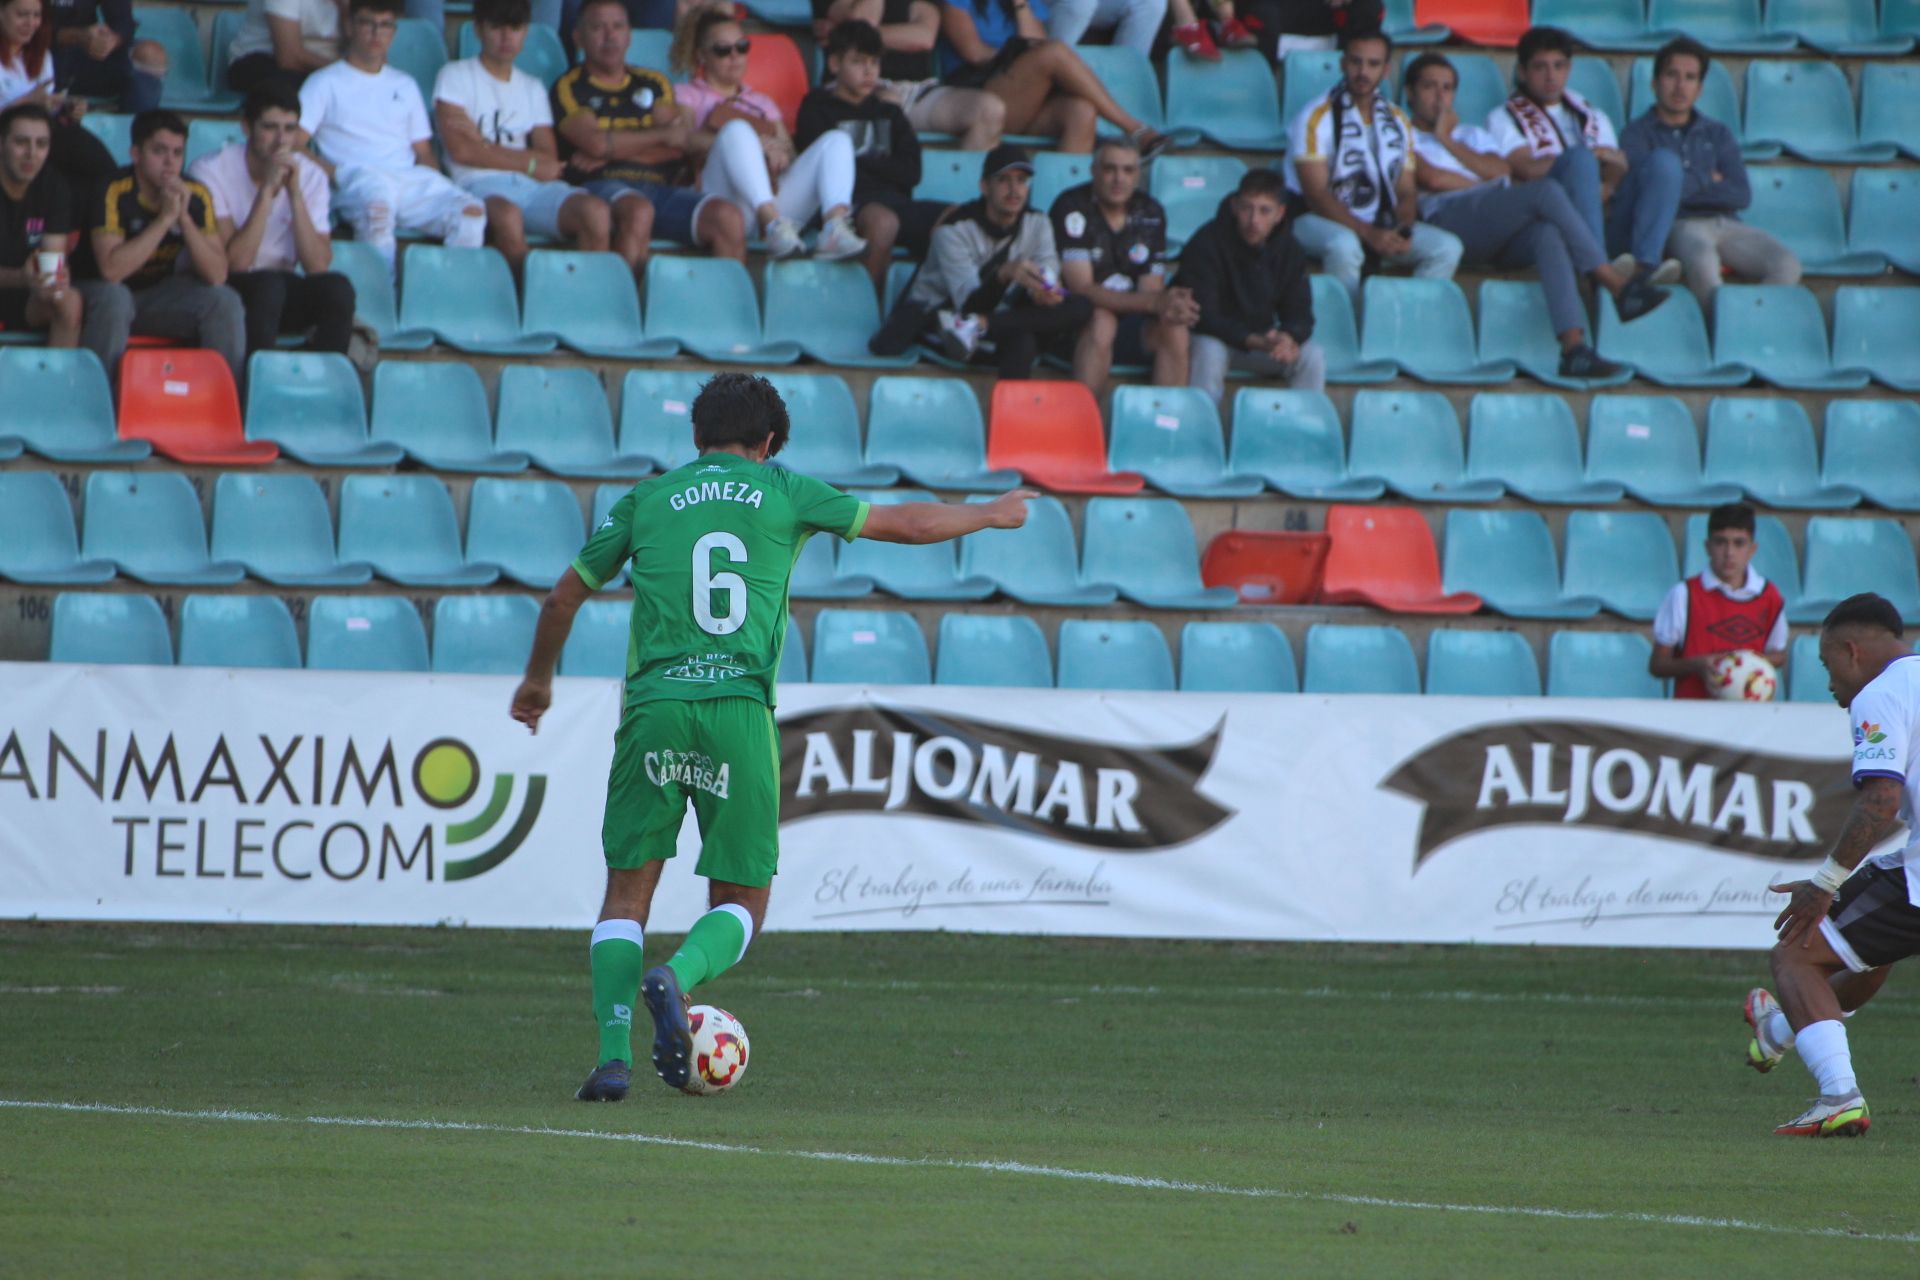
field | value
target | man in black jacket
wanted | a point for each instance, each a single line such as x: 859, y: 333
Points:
x: 1250, y: 279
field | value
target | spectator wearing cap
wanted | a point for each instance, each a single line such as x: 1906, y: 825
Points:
x: 1726, y: 608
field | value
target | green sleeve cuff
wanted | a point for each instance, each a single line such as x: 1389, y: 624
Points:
x: 859, y: 521
x: 587, y: 576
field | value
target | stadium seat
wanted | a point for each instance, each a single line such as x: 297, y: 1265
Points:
x: 1807, y: 107
x: 309, y: 403
x: 1385, y: 557
x: 869, y: 646
x: 1890, y: 105
x: 404, y: 527
x: 597, y: 645
x: 1725, y: 26
x: 182, y: 402
x: 1266, y: 566
x: 1875, y: 329
x: 1765, y: 445
x: 793, y: 657
x: 148, y: 524
x: 420, y: 50
x: 1482, y: 88
x: 1232, y: 102
x: 588, y: 301
x: 1050, y: 433
x: 1623, y: 559
x: 466, y: 299
x: 529, y: 529
x: 775, y: 68
x: 1777, y: 330
x: 708, y: 306
x: 1172, y: 436
x: 37, y: 539
x: 1114, y: 655
x: 1874, y: 446
x: 1339, y: 337
x: 1777, y: 559
x: 187, y: 86
x: 1494, y: 22
x: 1594, y: 80
x: 1236, y: 657
x: 1424, y: 326
x: 204, y: 137
x: 1054, y: 172
x: 1619, y: 25
x: 559, y: 417
x: 1849, y: 27
x: 1191, y: 188
x: 543, y: 56
x: 1507, y: 559
x: 1650, y: 446
x: 1900, y: 17
x: 1411, y: 440
x: 1718, y: 99
x: 1292, y: 440
x: 365, y: 633
x: 1036, y: 563
x: 437, y: 412
x: 1481, y: 664
x: 1800, y: 206
x: 1515, y: 329
x: 1305, y: 74
x: 103, y: 629
x: 825, y: 439
x: 1129, y: 77
x: 1145, y: 547
x: 1398, y: 21
x: 656, y: 420
x: 279, y: 529
x: 238, y: 631
x: 115, y: 131
x: 1668, y: 346
x: 649, y: 47
x: 483, y: 635
x: 226, y: 25
x: 1601, y: 664
x: 816, y: 577
x: 1846, y: 556
x: 373, y: 303
x: 827, y: 309
x: 993, y: 650
x: 1806, y: 674
x: 1880, y: 216
x: 1358, y: 660
x: 913, y: 572
x: 57, y: 403
x: 930, y: 429
x: 1531, y: 444
x: 949, y: 176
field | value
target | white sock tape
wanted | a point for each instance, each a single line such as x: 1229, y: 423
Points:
x: 628, y: 929
x: 745, y: 918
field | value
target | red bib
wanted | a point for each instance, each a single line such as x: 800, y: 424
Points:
x: 1717, y: 624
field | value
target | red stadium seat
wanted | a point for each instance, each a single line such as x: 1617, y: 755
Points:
x: 1264, y: 567
x: 1385, y: 557
x: 1050, y: 433
x: 1496, y: 22
x: 184, y: 402
x: 775, y: 68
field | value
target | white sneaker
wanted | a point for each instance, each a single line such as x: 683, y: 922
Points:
x: 783, y: 239
x: 1830, y: 1118
x: 1668, y: 272
x: 1625, y: 265
x: 838, y: 242
x: 1763, y: 1055
x: 959, y: 335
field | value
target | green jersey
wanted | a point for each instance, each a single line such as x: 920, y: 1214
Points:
x: 712, y: 546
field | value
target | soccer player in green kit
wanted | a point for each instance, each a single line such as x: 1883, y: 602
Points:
x: 710, y: 547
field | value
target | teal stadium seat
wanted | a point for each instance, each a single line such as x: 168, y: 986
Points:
x: 1801, y: 207
x: 559, y: 417
x: 226, y: 25
x: 1649, y: 445
x: 913, y: 572
x: 1876, y: 329
x: 1890, y: 105
x: 1232, y: 102
x: 1765, y: 445
x: 1900, y: 17
x: 1006, y: 651
x: 110, y: 629
x: 1411, y: 440
x: 1129, y: 77
x: 816, y: 575
x: 365, y: 633
x: 1036, y: 563
x: 238, y: 631
x: 1172, y: 435
x: 1054, y: 172
x: 1725, y: 26
x: 597, y: 645
x: 38, y: 544
x: 57, y: 404
x: 869, y: 646
x: 373, y: 303
x: 1339, y: 336
x: 1874, y: 446
x: 278, y: 527
x: 1718, y: 99
x: 529, y: 529
x: 828, y: 310
x: 187, y: 86
x: 1531, y: 445
x: 1399, y: 21
x: 1191, y: 188
x: 1806, y: 674
x: 1880, y: 216
x: 1359, y: 660
x: 310, y: 404
x: 1482, y: 88
x: 204, y: 137
x: 1594, y: 80
x: 588, y: 301
x: 949, y: 176
x: 1481, y: 664
x: 115, y: 131
x: 1507, y: 559
x: 466, y: 299
x: 1305, y: 74
x: 438, y: 414
x: 1601, y: 664
x: 1618, y: 25
x: 708, y: 306
x: 483, y: 635
x: 543, y: 56
x: 420, y: 50
x: 656, y: 422
x: 404, y: 526
x: 1424, y: 326
x: 1145, y: 546
x: 1516, y: 329
x: 1292, y: 440
x: 1236, y: 657
x: 931, y: 430
x: 1807, y: 107
x: 1668, y: 345
x: 825, y: 438
x: 793, y: 657
x: 1623, y: 559
x: 1842, y: 27
x: 1777, y: 559
x: 1114, y: 655
x: 1847, y: 556
x: 649, y: 47
x: 1777, y: 330
x: 148, y: 523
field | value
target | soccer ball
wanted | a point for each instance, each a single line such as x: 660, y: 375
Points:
x: 719, y: 1050
x: 1742, y: 676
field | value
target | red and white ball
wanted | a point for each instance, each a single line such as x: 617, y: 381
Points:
x: 719, y: 1050
x: 1742, y: 676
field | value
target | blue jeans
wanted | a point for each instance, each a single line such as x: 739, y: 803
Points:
x: 1533, y: 224
x: 1433, y: 254
x: 1578, y: 172
x: 1644, y: 205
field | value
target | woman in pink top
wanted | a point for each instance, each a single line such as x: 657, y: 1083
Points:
x: 752, y: 161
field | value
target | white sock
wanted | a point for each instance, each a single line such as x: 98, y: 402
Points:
x: 1777, y: 1031
x: 1823, y: 1047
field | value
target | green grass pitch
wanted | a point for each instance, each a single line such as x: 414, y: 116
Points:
x: 1250, y: 1110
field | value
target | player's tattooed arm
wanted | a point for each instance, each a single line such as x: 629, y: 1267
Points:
x: 1875, y: 810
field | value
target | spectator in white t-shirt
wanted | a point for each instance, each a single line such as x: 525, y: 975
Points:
x: 496, y: 127
x: 283, y: 42
x: 369, y: 125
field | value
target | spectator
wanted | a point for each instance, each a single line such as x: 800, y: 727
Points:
x: 496, y: 128
x: 626, y: 140
x: 1132, y: 23
x: 993, y: 275
x: 1464, y: 178
x: 1250, y: 281
x: 284, y: 42
x: 1196, y: 38
x: 26, y: 75
x: 1548, y: 131
x: 1275, y: 20
x: 546, y: 13
x: 1708, y: 233
x: 96, y: 56
x: 370, y: 127
x: 270, y: 211
x: 751, y: 160
x: 1112, y: 238
x: 886, y: 151
x: 36, y: 223
x: 909, y: 70
x: 158, y: 248
x: 1728, y: 608
x: 1350, y: 163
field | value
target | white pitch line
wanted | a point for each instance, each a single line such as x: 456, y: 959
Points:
x: 1132, y: 1181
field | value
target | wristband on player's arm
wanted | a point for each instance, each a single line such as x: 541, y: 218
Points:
x: 1831, y: 876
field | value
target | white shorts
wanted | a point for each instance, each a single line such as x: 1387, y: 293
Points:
x: 539, y: 202
x: 418, y: 200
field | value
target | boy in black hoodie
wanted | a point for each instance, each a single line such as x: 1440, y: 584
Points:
x: 1250, y: 279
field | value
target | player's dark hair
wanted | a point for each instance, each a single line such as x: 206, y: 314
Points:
x: 1865, y: 610
x: 1411, y: 73
x: 855, y: 36
x: 1262, y: 182
x: 270, y: 96
x: 503, y: 13
x: 1350, y: 36
x: 1681, y: 47
x: 739, y: 409
x: 1539, y: 40
x: 23, y: 111
x: 1733, y: 515
x: 394, y: 7
x: 158, y: 120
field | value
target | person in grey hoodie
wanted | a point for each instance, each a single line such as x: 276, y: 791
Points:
x: 1250, y: 281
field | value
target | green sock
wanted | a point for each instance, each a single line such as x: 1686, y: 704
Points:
x: 616, y: 985
x: 714, y: 945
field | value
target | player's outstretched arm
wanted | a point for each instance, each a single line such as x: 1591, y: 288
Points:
x: 941, y: 521
x: 535, y: 694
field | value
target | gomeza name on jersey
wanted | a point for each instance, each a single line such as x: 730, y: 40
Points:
x: 715, y: 491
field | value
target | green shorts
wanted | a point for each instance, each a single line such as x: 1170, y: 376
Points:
x: 724, y: 754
